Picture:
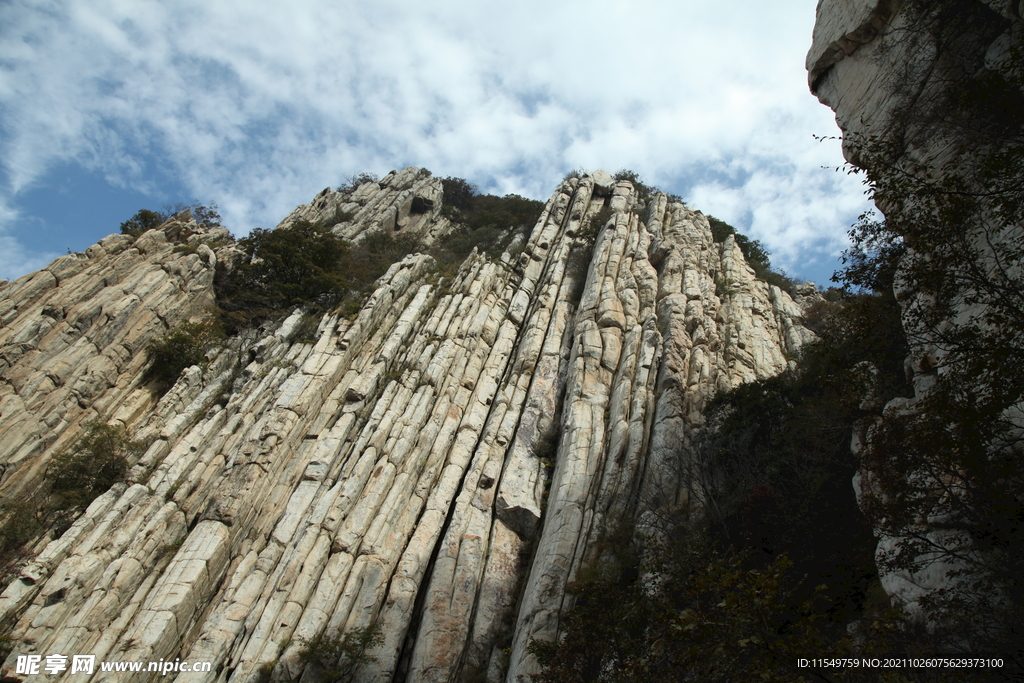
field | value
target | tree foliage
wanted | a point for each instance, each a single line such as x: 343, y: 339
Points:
x: 206, y: 215
x: 181, y: 348
x: 946, y: 477
x: 304, y: 264
x: 337, y: 656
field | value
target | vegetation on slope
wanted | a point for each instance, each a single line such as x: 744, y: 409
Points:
x: 308, y: 265
x: 304, y: 265
x: 75, y: 478
x: 181, y: 348
x: 206, y: 215
x: 776, y: 560
x: 778, y: 563
x: 485, y: 222
x: 754, y: 252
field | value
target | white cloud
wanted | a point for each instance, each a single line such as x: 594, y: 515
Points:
x: 258, y: 105
x: 14, y: 258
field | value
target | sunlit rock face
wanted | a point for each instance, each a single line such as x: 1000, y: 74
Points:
x: 440, y: 464
x: 898, y: 82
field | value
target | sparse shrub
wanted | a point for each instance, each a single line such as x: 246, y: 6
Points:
x: 19, y: 527
x: 73, y: 480
x: 457, y: 246
x: 643, y: 190
x: 582, y: 251
x: 374, y: 255
x: 339, y: 655
x: 206, y: 215
x: 181, y: 348
x: 339, y: 216
x: 98, y: 461
x: 265, y: 671
x: 754, y: 252
x: 353, y: 182
x: 305, y: 331
x: 349, y: 308
x: 142, y: 221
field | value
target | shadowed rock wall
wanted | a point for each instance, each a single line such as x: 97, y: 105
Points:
x: 904, y: 80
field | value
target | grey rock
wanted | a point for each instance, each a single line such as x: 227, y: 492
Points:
x: 396, y: 471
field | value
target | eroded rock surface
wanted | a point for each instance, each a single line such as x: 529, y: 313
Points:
x: 440, y: 465
x: 898, y: 76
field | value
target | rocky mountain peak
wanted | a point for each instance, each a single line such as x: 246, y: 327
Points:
x: 433, y: 469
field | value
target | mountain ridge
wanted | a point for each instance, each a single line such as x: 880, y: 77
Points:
x: 386, y: 471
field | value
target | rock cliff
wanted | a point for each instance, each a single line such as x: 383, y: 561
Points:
x: 440, y: 464
x: 928, y: 96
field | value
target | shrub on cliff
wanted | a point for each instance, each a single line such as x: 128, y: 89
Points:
x: 206, y: 215
x: 75, y: 478
x: 143, y: 220
x: 484, y: 221
x: 353, y: 182
x: 336, y: 657
x: 94, y: 464
x: 304, y: 264
x: 582, y: 251
x: 181, y: 348
x: 754, y: 252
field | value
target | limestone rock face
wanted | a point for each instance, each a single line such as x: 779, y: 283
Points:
x: 894, y: 79
x: 440, y: 465
x: 404, y: 202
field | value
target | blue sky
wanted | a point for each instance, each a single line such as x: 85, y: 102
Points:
x: 109, y: 106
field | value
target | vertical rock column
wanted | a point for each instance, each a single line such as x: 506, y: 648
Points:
x: 656, y: 335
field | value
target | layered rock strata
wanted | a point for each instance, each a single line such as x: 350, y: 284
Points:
x: 406, y: 202
x: 440, y: 465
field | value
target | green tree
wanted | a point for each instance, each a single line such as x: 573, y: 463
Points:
x: 302, y: 265
x: 947, y: 481
x: 181, y: 348
x: 337, y: 656
x: 143, y: 220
